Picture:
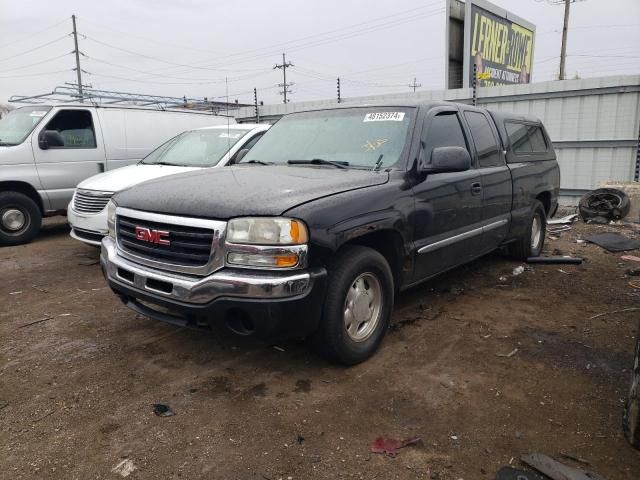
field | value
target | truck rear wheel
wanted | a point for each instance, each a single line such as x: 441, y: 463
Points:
x: 20, y: 218
x: 532, y: 242
x: 357, y: 308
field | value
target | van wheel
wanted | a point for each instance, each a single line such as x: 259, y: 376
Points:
x: 20, y: 218
x: 532, y: 242
x: 357, y: 308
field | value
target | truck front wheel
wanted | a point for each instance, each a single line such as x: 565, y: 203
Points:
x: 20, y: 218
x: 357, y: 308
x: 532, y: 242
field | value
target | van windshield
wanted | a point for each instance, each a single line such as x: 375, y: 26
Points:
x: 19, y: 123
x: 196, y: 148
x: 371, y: 137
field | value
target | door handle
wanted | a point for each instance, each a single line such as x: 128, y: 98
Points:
x: 476, y: 188
x: 100, y: 167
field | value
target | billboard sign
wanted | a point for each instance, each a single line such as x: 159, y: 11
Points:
x: 498, y: 46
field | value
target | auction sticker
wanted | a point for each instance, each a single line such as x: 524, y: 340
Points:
x: 384, y: 117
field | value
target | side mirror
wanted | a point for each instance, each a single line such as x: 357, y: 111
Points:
x: 50, y: 138
x: 239, y: 156
x: 448, y: 159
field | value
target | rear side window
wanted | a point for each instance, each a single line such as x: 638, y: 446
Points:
x: 485, y: 140
x: 76, y: 128
x: 445, y: 131
x: 526, y: 138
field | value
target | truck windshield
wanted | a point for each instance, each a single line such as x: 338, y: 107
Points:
x: 196, y: 148
x: 371, y: 137
x: 19, y: 123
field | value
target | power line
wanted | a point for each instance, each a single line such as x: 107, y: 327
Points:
x: 31, y: 35
x: 35, y: 74
x: 38, y: 63
x: 33, y: 49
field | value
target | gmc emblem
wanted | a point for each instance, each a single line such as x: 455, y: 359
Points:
x: 159, y: 237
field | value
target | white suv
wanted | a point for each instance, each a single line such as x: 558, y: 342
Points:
x: 201, y: 148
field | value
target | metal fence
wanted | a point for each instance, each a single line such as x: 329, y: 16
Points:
x: 594, y: 123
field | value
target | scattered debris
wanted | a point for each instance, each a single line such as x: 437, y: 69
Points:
x: 162, y: 410
x: 613, y: 242
x: 517, y: 271
x: 40, y: 289
x: 559, y: 229
x: 36, y: 321
x: 280, y: 349
x: 124, y: 468
x: 502, y: 279
x: 633, y: 272
x: 580, y: 241
x: 556, y: 470
x: 635, y: 284
x: 556, y: 260
x: 390, y: 446
x: 508, y: 355
x: 632, y: 309
x: 575, y: 458
x: 568, y: 219
x: 598, y: 221
x: 15, y: 293
x: 510, y: 473
x: 610, y: 203
x: 566, y: 273
x: 631, y: 258
x: 88, y: 264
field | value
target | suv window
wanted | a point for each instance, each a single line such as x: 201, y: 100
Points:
x: 445, y: 131
x: 76, y: 128
x: 526, y: 138
x: 484, y: 139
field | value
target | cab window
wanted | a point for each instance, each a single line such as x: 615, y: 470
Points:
x: 484, y: 139
x: 75, y: 127
x: 445, y: 130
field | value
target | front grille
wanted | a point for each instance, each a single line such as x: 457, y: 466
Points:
x: 188, y: 246
x: 86, y: 201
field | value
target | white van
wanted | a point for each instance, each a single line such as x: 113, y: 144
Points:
x: 201, y: 148
x: 45, y: 151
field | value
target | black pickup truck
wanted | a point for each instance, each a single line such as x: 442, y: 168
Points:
x: 332, y: 213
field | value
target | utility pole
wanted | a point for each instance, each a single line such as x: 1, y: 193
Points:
x: 77, y: 52
x: 339, y: 99
x: 563, y: 50
x: 414, y: 85
x: 474, y: 86
x: 255, y: 104
x: 285, y: 86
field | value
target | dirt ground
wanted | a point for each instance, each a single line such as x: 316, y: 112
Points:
x: 79, y: 374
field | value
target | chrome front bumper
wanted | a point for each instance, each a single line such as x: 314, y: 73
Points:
x: 224, y: 283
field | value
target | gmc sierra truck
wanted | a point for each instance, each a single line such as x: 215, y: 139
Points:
x: 318, y: 227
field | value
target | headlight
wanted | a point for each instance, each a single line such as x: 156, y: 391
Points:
x: 266, y: 243
x: 267, y: 231
x: 111, y: 218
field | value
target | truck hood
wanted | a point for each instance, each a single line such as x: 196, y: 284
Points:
x: 125, y: 177
x: 242, y: 190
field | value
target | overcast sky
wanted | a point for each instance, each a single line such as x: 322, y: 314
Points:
x: 189, y: 47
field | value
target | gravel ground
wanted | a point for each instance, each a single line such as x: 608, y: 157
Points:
x: 79, y: 374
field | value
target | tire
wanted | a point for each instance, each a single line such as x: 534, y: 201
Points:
x: 356, y: 277
x: 525, y: 247
x: 20, y: 218
x: 631, y: 417
x: 609, y: 203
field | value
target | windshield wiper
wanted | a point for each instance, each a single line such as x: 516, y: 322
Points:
x: 319, y: 161
x: 258, y: 162
x: 169, y: 164
x: 378, y: 163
